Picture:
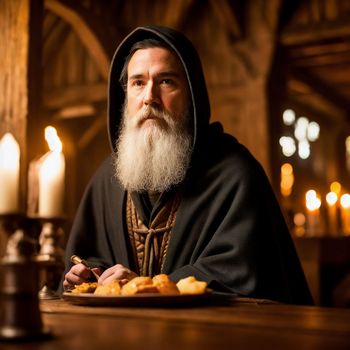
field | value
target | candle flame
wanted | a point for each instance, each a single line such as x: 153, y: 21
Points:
x: 299, y: 219
x: 310, y: 195
x: 312, y: 201
x: 9, y: 152
x: 286, y: 169
x: 287, y: 179
x: 335, y: 187
x: 313, y: 204
x: 345, y: 200
x: 331, y: 198
x: 52, y: 139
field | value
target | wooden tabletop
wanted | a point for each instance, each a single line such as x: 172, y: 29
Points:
x: 243, y: 324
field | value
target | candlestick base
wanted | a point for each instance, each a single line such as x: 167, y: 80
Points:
x: 51, y: 256
x: 20, y: 317
x: 46, y: 293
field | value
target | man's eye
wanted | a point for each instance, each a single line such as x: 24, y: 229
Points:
x: 137, y: 83
x: 167, y: 81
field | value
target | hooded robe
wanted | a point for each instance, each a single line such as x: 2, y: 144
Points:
x: 229, y: 229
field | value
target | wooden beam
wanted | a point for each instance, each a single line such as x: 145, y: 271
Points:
x: 321, y: 88
x: 316, y: 33
x: 49, y: 23
x: 74, y: 95
x: 328, y: 59
x: 311, y: 107
x: 85, y: 33
x: 94, y: 129
x: 75, y: 112
x: 58, y: 34
x: 176, y: 14
x: 227, y: 17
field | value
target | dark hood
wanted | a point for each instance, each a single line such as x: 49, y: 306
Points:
x: 193, y: 68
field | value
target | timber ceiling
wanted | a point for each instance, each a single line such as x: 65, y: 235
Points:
x: 79, y: 37
x: 317, y: 57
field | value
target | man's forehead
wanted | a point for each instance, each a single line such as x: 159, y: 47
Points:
x: 165, y: 58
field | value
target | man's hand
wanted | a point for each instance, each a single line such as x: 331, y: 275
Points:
x: 117, y: 272
x: 77, y: 275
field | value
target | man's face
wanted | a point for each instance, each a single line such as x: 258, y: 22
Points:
x: 156, y: 78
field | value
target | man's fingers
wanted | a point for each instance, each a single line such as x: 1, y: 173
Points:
x: 116, y: 272
x: 76, y: 275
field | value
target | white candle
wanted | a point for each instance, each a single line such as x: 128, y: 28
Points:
x: 51, y: 178
x: 313, y: 204
x: 332, y: 199
x: 345, y: 213
x: 9, y: 174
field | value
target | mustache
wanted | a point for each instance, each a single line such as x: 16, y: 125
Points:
x: 148, y: 112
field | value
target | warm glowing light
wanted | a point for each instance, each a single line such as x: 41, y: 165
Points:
x: 9, y: 152
x: 347, y: 145
x: 300, y: 130
x: 313, y: 204
x: 345, y: 200
x: 287, y: 179
x: 303, y: 122
x: 313, y: 131
x: 288, y: 117
x: 9, y: 174
x: 331, y: 198
x: 335, y: 187
x: 52, y: 177
x: 52, y: 139
x: 287, y: 169
x: 312, y: 201
x: 305, y: 131
x: 299, y: 219
x: 304, y: 149
x: 288, y: 145
x: 345, y: 213
x: 310, y: 194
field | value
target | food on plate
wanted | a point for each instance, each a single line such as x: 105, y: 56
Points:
x: 86, y: 287
x: 138, y: 285
x: 160, y: 284
x: 164, y: 284
x: 190, y: 285
x: 112, y: 288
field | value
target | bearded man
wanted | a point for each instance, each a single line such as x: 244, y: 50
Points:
x: 178, y: 195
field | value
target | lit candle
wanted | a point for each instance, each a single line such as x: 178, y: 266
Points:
x: 9, y: 174
x: 299, y: 224
x: 332, y: 199
x: 313, y: 204
x: 51, y: 177
x: 345, y: 213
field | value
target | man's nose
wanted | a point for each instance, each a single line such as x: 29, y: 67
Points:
x: 151, y: 95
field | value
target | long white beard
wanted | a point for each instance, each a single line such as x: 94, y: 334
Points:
x: 152, y: 157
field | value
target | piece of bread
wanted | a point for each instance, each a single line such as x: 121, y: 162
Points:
x: 85, y: 287
x: 190, y: 285
x: 164, y: 284
x: 112, y: 288
x: 137, y: 285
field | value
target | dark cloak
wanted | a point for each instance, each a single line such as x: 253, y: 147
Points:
x: 229, y: 229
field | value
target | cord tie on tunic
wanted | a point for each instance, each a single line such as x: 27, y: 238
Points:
x: 150, y: 243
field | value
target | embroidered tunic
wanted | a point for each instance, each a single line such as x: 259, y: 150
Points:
x: 149, y: 244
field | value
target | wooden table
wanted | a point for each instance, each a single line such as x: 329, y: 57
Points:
x: 326, y: 261
x: 244, y: 324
